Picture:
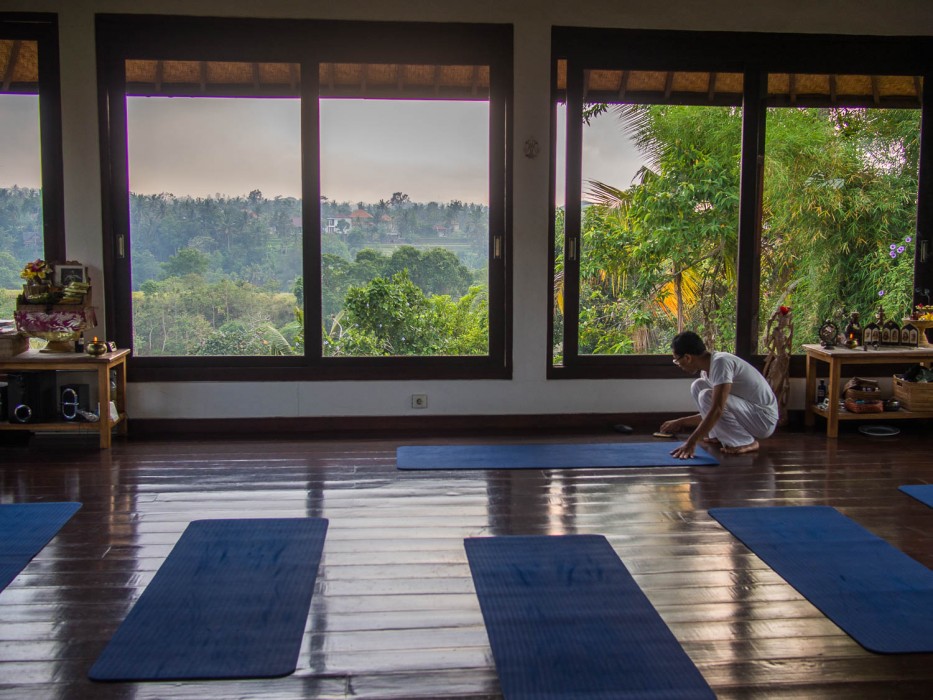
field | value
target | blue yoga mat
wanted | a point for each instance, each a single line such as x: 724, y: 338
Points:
x: 881, y: 597
x: 230, y: 601
x: 922, y: 492
x: 25, y: 528
x: 545, y: 456
x: 565, y: 619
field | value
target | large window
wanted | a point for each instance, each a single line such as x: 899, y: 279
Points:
x: 658, y: 218
x: 215, y: 224
x: 293, y: 212
x: 30, y: 143
x: 405, y: 206
x: 732, y: 191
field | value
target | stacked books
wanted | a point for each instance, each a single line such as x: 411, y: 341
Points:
x: 12, y: 342
x: 75, y: 292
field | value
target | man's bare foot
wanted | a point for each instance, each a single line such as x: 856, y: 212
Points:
x: 741, y: 449
x: 711, y: 441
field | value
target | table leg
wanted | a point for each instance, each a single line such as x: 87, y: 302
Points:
x: 122, y: 429
x: 103, y: 394
x: 832, y: 424
x: 809, y: 417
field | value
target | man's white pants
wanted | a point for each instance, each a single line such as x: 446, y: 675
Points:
x: 741, y: 421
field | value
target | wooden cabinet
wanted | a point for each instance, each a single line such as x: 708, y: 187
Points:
x: 839, y: 356
x: 35, y: 361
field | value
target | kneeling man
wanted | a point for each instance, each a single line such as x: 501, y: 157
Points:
x: 737, y: 406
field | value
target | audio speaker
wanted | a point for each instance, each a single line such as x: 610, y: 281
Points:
x: 32, y: 397
x: 73, y: 397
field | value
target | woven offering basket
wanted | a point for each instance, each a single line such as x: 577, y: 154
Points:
x: 853, y: 406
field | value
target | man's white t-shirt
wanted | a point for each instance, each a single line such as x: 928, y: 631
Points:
x: 747, y: 382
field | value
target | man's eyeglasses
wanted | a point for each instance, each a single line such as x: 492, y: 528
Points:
x: 678, y: 359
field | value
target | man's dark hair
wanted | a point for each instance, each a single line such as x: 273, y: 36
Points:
x: 688, y: 343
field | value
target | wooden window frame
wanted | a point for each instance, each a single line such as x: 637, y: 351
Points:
x: 43, y: 29
x: 307, y: 43
x: 755, y: 55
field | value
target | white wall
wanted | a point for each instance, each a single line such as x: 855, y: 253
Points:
x: 528, y: 392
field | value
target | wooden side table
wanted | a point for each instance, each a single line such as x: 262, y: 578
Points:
x: 35, y: 361
x: 839, y: 356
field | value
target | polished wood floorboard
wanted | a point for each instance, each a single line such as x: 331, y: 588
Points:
x: 394, y: 613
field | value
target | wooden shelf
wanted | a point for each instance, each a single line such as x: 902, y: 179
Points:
x: 37, y: 361
x: 902, y: 414
x: 836, y: 358
x: 64, y: 426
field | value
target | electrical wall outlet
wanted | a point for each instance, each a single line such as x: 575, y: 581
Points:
x: 419, y: 400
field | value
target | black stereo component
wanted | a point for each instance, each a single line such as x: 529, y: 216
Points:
x: 73, y: 398
x: 32, y: 397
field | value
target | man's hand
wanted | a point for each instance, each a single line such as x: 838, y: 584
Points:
x: 686, y: 450
x: 671, y: 426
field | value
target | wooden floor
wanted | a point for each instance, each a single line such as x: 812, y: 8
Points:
x: 394, y: 613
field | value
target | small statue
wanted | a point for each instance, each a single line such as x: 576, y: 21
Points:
x: 853, y: 331
x: 828, y: 334
x: 779, y: 341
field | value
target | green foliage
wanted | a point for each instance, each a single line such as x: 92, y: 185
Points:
x: 435, y: 272
x: 8, y: 302
x: 392, y: 310
x: 186, y: 261
x: 190, y: 316
x: 392, y: 316
x: 222, y: 276
x: 242, y: 338
x: 251, y: 238
x: 20, y: 229
x: 10, y: 269
x: 841, y: 188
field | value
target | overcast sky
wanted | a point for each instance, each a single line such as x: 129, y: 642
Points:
x: 19, y: 140
x: 431, y: 150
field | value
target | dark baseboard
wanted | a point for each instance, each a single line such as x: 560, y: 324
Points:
x: 402, y: 426
x: 394, y: 426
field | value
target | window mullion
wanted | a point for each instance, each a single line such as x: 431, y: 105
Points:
x: 311, y: 209
x: 50, y: 134
x: 923, y: 276
x: 751, y: 183
x: 573, y: 212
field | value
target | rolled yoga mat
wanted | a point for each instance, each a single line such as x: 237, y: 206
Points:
x: 25, y: 528
x: 545, y: 456
x: 922, y: 492
x: 565, y: 619
x: 881, y: 597
x: 230, y: 601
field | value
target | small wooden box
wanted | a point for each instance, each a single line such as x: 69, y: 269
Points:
x: 12, y: 344
x: 914, y: 396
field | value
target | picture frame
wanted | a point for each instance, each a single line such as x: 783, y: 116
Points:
x: 67, y: 272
